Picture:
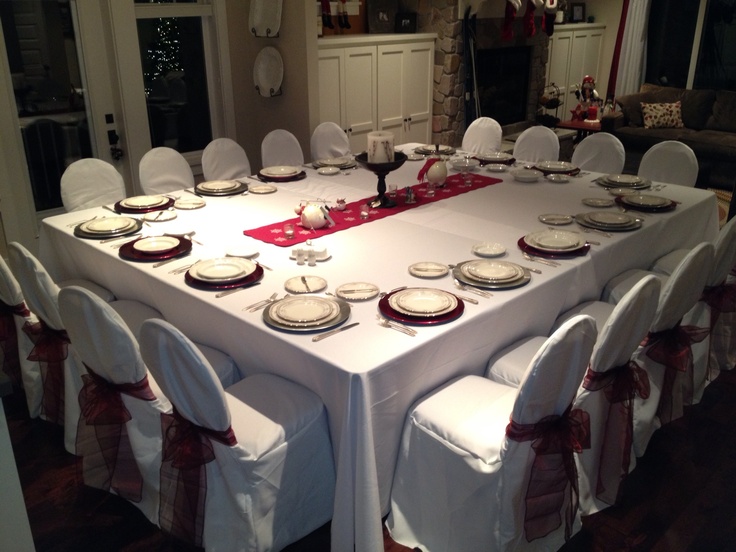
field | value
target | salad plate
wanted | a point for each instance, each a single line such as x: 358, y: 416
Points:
x: 649, y: 201
x: 488, y: 249
x: 189, y: 204
x: 357, y: 291
x: 555, y: 219
x: 526, y: 175
x: 597, y: 202
x: 262, y: 188
x: 428, y: 270
x: 305, y: 284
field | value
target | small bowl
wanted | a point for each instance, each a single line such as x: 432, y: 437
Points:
x: 488, y: 249
x: 558, y: 178
x: 497, y: 167
x: 464, y: 164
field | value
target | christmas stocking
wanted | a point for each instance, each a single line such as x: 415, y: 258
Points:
x: 548, y: 20
x: 342, y: 16
x: 507, y: 32
x: 530, y: 29
x: 326, y: 14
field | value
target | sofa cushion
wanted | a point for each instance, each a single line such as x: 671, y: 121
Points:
x: 724, y: 112
x: 697, y: 105
x: 715, y: 145
x: 662, y: 115
x: 641, y: 139
x: 631, y: 107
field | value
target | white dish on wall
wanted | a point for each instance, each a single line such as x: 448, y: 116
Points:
x: 268, y: 71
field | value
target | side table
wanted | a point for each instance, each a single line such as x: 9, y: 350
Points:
x: 583, y: 128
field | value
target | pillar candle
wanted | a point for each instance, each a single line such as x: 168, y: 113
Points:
x: 380, y: 146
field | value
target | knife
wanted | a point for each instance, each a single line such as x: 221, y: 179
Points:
x: 322, y: 336
x: 120, y: 237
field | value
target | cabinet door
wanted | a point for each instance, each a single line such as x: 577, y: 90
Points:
x: 360, y: 95
x: 332, y: 86
x: 417, y: 76
x: 560, y: 46
x: 391, y: 89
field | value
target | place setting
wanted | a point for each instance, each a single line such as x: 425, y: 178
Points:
x: 143, y: 204
x: 306, y: 313
x: 281, y: 173
x: 556, y: 167
x: 333, y: 165
x: 434, y: 149
x: 491, y: 274
x: 223, y: 273
x: 646, y: 203
x: 421, y: 306
x: 608, y: 221
x: 495, y: 161
x: 216, y: 188
x: 155, y: 248
x: 623, y: 181
x: 554, y: 243
x: 108, y: 228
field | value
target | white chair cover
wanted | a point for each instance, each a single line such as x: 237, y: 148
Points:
x: 224, y: 159
x: 466, y: 479
x: 123, y: 458
x: 280, y: 147
x: 670, y: 369
x: 600, y: 152
x: 15, y: 344
x: 482, y: 135
x: 164, y: 170
x: 270, y: 480
x: 59, y: 365
x: 537, y: 143
x: 670, y: 161
x: 329, y: 141
x: 91, y: 183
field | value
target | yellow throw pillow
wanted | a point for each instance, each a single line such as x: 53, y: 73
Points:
x: 662, y: 115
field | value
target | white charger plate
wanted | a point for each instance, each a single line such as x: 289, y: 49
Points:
x: 268, y: 70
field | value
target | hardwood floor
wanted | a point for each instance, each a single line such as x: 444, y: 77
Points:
x: 680, y: 497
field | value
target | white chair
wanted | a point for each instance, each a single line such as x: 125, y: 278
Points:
x: 280, y: 147
x: 716, y: 308
x: 600, y: 152
x: 266, y: 470
x: 329, y: 141
x: 666, y: 352
x: 671, y: 162
x: 164, y: 170
x: 15, y: 344
x: 467, y: 479
x: 61, y: 371
x: 537, y: 143
x: 482, y: 135
x: 91, y: 183
x: 119, y: 428
x: 224, y: 159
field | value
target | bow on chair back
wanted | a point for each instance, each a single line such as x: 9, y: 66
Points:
x: 118, y: 432
x: 544, y: 434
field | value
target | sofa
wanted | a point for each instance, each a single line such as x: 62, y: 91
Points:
x: 706, y: 122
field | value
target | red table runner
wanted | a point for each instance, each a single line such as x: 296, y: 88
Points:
x: 350, y: 216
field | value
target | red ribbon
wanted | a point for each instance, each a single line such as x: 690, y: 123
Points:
x: 553, y: 474
x: 673, y: 349
x: 422, y: 174
x: 620, y: 385
x: 102, y: 434
x: 50, y: 350
x: 9, y: 340
x: 187, y: 448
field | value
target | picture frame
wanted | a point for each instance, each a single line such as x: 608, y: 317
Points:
x: 577, y: 12
x: 381, y: 15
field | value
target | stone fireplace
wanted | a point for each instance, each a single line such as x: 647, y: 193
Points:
x: 501, y: 58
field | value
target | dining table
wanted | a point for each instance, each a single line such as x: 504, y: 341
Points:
x: 369, y: 376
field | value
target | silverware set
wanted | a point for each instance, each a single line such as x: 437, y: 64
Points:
x: 182, y: 269
x: 541, y: 260
x: 264, y: 303
x: 471, y: 289
x: 74, y: 224
x: 386, y: 323
x: 324, y: 335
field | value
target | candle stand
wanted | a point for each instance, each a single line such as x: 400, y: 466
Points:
x: 381, y: 170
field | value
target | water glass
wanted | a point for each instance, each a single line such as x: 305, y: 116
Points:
x: 364, y: 211
x: 289, y: 231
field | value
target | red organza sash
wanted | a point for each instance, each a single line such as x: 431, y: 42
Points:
x: 553, y: 474
x: 102, y: 435
x: 50, y: 350
x: 187, y: 448
x: 673, y: 349
x: 9, y: 340
x: 619, y: 385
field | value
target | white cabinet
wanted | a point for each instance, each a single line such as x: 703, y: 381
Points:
x: 574, y: 51
x: 372, y: 82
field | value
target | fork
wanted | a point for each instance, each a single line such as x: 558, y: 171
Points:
x: 386, y: 323
x: 535, y: 259
x: 460, y: 285
x: 255, y: 306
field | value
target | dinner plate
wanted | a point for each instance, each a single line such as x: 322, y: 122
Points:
x: 218, y: 185
x: 280, y: 170
x: 160, y: 216
x: 495, y: 157
x: 623, y: 180
x: 644, y: 183
x: 558, y: 178
x: 265, y: 17
x: 328, y: 171
x: 553, y: 240
x: 526, y: 175
x: 252, y: 278
x: 357, y: 291
x: 641, y: 205
x: 108, y: 225
x: 429, y: 149
x: 262, y: 189
x: 388, y: 311
x: 297, y: 284
x: 491, y: 271
x: 305, y: 311
x: 342, y: 316
x: 610, y: 219
x: 488, y: 249
x: 428, y: 270
x: 424, y: 302
x: 155, y: 245
x: 128, y: 251
x: 222, y: 270
x: 555, y: 219
x: 548, y: 167
x: 143, y: 202
x: 335, y: 161
x: 268, y: 71
x: 289, y: 178
x: 561, y: 254
x: 641, y: 200
x: 621, y: 191
x: 497, y: 167
x: 584, y: 220
x: 187, y: 203
x: 597, y: 202
x: 225, y: 190
x: 457, y: 272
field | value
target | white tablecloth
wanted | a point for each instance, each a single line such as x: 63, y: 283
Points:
x: 369, y: 376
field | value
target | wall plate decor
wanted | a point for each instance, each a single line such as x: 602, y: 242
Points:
x: 268, y: 72
x: 265, y: 17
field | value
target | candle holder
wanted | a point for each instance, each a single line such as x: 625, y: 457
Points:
x: 381, y: 170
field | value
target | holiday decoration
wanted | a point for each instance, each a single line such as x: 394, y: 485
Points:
x: 588, y: 97
x: 548, y: 19
x: 507, y: 32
